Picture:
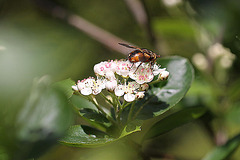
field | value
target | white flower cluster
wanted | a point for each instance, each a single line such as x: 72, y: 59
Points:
x: 114, y: 77
x: 218, y: 54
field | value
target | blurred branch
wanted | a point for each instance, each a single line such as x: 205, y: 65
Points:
x: 109, y: 40
x: 140, y: 13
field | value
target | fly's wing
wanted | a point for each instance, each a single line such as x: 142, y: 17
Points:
x: 130, y: 46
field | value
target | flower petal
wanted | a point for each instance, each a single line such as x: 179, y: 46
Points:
x: 111, y: 85
x: 119, y: 90
x: 86, y: 91
x: 129, y: 97
x: 140, y: 95
x: 75, y: 88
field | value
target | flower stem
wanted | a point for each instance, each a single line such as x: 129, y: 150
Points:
x: 120, y: 111
x: 122, y: 106
x: 127, y: 105
x: 130, y: 112
x: 115, y: 101
x: 106, y: 99
x: 154, y: 82
x: 141, y: 107
x: 94, y: 101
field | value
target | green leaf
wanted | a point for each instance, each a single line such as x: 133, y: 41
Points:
x: 224, y: 152
x: 65, y: 86
x: 79, y: 102
x: 174, y: 120
x: 134, y: 126
x: 165, y: 94
x: 43, y: 119
x: 77, y: 137
x: 85, y: 136
x: 89, y: 112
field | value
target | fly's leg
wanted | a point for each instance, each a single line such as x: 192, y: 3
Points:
x: 138, y: 67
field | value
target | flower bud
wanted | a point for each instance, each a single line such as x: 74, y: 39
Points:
x: 144, y: 87
x: 99, y: 69
x: 140, y: 95
x: 80, y: 85
x: 110, y: 76
x: 163, y: 75
x: 75, y: 88
x: 111, y: 85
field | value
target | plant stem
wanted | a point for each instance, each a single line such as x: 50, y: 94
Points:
x: 141, y: 107
x: 127, y: 104
x: 107, y: 99
x: 122, y: 106
x: 153, y: 82
x: 120, y: 111
x: 94, y: 101
x: 116, y: 99
x: 130, y: 112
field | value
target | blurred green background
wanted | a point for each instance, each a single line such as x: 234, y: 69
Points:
x: 37, y: 39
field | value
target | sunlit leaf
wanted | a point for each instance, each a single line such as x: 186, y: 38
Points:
x: 44, y: 118
x: 134, y: 126
x: 77, y: 137
x: 164, y: 95
x: 89, y: 112
x: 80, y: 103
x: 66, y: 86
x: 84, y: 136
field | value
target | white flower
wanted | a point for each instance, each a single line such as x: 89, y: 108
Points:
x: 110, y: 75
x: 144, y: 87
x: 100, y: 68
x: 129, y: 90
x: 129, y: 97
x: 140, y: 95
x: 111, y: 85
x: 132, y: 86
x: 106, y: 68
x: 87, y: 86
x: 119, y: 91
x: 157, y: 70
x: 163, y: 75
x: 75, y: 87
x: 101, y: 82
x: 80, y: 85
x: 123, y: 68
x: 141, y: 74
x: 90, y: 86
